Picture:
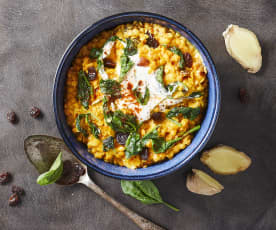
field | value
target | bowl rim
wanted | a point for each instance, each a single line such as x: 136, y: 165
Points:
x: 211, y: 125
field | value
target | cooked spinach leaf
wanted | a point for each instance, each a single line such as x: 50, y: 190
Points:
x: 126, y: 65
x: 159, y: 75
x: 172, y: 87
x: 108, y: 143
x: 95, y: 53
x: 53, y: 174
x: 187, y: 112
x: 194, y: 95
x: 113, y: 39
x: 93, y: 128
x: 131, y: 48
x: 133, y: 145
x: 110, y: 87
x: 180, y: 54
x: 78, y: 124
x: 85, y: 89
x: 100, y: 63
x: 143, y: 100
x: 144, y: 191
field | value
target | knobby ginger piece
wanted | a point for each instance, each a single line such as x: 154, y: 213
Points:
x: 243, y: 45
x: 225, y: 160
x: 201, y: 183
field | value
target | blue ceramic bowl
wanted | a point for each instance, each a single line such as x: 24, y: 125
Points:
x: 157, y: 170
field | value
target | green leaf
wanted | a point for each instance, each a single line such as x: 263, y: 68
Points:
x: 113, y: 39
x: 99, y: 63
x: 85, y: 89
x: 95, y: 53
x: 110, y: 87
x: 108, y: 143
x: 144, y: 191
x: 180, y: 54
x: 175, y: 122
x: 133, y: 145
x: 126, y: 65
x: 93, y: 128
x: 172, y: 87
x: 187, y: 112
x: 130, y: 48
x: 194, y: 95
x: 78, y: 124
x: 159, y: 72
x: 143, y: 100
x: 53, y: 174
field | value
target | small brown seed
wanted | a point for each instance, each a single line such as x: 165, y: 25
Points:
x: 5, y: 178
x: 244, y: 96
x: 11, y: 116
x: 109, y: 63
x: 35, y: 112
x: 92, y: 73
x: 14, y: 199
x: 18, y: 190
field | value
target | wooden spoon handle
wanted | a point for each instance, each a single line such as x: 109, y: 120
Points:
x: 142, y: 222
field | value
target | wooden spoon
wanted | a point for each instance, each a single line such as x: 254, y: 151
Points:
x: 42, y: 150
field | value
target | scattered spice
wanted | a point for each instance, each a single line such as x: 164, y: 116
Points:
x: 92, y: 73
x: 14, y: 199
x: 5, y: 178
x: 121, y: 137
x: 109, y: 63
x: 151, y: 41
x: 18, y: 190
x: 35, y: 112
x: 11, y: 116
x: 244, y: 96
x: 143, y: 62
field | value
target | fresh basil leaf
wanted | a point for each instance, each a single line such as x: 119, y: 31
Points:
x: 85, y: 89
x: 143, y: 100
x: 126, y: 65
x: 131, y: 48
x: 94, y: 129
x: 194, y: 95
x: 110, y: 87
x: 108, y: 143
x: 133, y: 145
x: 187, y: 112
x: 180, y: 54
x: 159, y: 72
x: 95, y: 53
x: 144, y: 191
x: 78, y: 124
x: 53, y: 174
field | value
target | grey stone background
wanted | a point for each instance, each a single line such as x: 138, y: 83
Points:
x: 34, y: 35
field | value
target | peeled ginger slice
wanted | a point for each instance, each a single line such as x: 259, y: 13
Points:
x: 225, y: 160
x: 243, y: 45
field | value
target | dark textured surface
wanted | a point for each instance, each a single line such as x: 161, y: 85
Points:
x: 33, y: 36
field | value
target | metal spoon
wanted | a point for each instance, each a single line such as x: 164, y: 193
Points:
x: 42, y: 150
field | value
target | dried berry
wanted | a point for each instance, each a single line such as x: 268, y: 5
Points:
x: 121, y: 138
x: 92, y: 73
x: 18, y: 190
x: 157, y: 116
x: 151, y: 41
x: 71, y: 173
x: 35, y: 112
x: 144, y: 153
x: 14, y: 199
x: 188, y: 59
x: 244, y: 96
x: 143, y: 62
x: 109, y: 63
x: 11, y: 116
x: 5, y: 177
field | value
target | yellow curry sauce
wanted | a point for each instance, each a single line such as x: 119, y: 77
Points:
x: 154, y: 72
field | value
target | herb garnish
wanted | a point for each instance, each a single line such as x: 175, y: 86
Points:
x: 180, y: 54
x: 134, y: 145
x: 53, y: 174
x: 93, y: 128
x: 143, y: 100
x: 95, y: 53
x: 172, y: 87
x: 130, y: 48
x: 78, y: 124
x: 187, y: 112
x: 85, y: 89
x: 108, y: 143
x: 110, y: 87
x: 144, y: 191
x: 126, y: 65
x: 194, y: 95
x: 159, y: 72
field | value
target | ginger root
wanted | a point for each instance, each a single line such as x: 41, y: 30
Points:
x: 243, y: 45
x: 201, y: 183
x: 225, y: 160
